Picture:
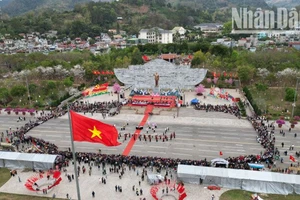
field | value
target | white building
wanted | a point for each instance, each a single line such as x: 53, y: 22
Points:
x: 209, y: 27
x: 180, y: 30
x: 156, y: 35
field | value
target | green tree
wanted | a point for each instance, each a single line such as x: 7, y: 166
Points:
x: 51, y: 85
x: 92, y: 41
x: 245, y: 73
x: 4, y: 96
x: 198, y: 59
x: 118, y: 62
x: 32, y: 87
x: 261, y: 87
x: 136, y: 57
x: 227, y: 28
x: 126, y: 61
x: 18, y: 90
x: 219, y: 50
x: 84, y: 36
x: 289, y: 94
x: 68, y: 82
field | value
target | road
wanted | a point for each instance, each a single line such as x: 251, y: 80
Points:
x: 192, y: 141
x: 199, y: 135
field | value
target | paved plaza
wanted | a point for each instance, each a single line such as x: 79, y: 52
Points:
x: 106, y: 191
x: 199, y: 135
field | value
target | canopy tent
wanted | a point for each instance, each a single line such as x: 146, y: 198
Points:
x: 219, y: 161
x: 194, y: 101
x: 15, y: 160
x: 154, y: 179
x: 254, y: 181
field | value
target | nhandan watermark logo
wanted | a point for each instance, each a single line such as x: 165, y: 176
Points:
x: 280, y: 19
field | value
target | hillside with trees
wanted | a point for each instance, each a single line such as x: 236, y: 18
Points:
x: 220, y: 4
x: 18, y: 7
x: 95, y: 17
x: 284, y: 3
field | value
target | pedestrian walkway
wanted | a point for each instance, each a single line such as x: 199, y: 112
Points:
x: 130, y: 144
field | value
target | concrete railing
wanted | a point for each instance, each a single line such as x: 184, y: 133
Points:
x: 65, y: 102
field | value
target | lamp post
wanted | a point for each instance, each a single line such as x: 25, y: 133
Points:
x: 28, y: 92
x: 295, y: 97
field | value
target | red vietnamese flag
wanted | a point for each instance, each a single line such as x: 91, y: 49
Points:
x: 100, y: 88
x: 90, y: 130
x: 221, y: 153
x: 182, y: 196
x: 292, y: 158
x: 181, y: 189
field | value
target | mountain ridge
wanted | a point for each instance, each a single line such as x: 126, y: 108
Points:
x: 19, y: 7
x: 283, y: 3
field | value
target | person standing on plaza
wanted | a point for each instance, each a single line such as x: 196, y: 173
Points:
x: 213, y: 197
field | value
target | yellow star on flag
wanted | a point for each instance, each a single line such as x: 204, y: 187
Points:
x: 96, y: 133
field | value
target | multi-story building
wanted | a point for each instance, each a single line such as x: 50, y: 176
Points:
x: 156, y: 35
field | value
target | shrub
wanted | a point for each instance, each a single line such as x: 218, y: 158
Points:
x: 81, y: 87
x: 290, y: 94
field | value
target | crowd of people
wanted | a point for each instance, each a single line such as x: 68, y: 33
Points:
x: 28, y: 144
x: 231, y: 109
x: 41, y: 146
x: 265, y: 136
x: 96, y: 107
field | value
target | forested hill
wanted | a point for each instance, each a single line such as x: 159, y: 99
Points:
x: 18, y: 7
x: 4, y: 2
x: 95, y: 17
x: 221, y: 4
x: 284, y: 3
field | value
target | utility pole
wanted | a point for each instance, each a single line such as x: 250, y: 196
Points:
x: 28, y: 93
x: 295, y: 97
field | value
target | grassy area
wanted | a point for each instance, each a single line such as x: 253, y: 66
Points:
x: 272, y: 101
x: 244, y: 195
x: 5, y: 196
x: 4, y: 177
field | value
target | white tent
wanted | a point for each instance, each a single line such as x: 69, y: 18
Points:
x: 254, y: 181
x: 15, y: 160
x: 154, y: 179
x: 220, y: 161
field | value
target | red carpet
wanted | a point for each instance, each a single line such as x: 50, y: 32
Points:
x: 131, y: 142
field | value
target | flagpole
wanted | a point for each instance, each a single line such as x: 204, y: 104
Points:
x: 74, y: 157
